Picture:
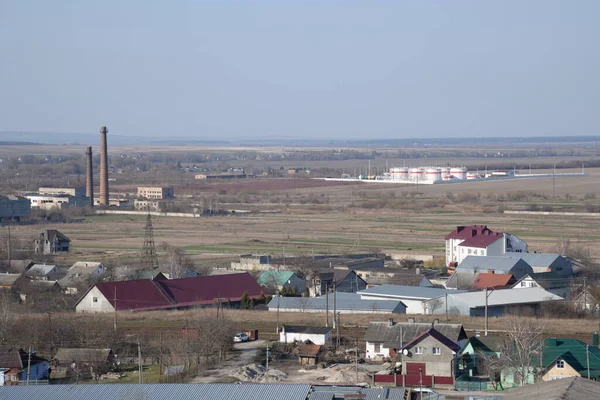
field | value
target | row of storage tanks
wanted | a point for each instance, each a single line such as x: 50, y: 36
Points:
x: 431, y: 174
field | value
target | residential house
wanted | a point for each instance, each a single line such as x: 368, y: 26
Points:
x: 550, y: 281
x: 562, y: 389
x: 564, y: 357
x: 394, y: 276
x: 342, y: 303
x: 86, y: 362
x: 164, y: 294
x: 584, y: 299
x: 473, y: 356
x: 308, y: 354
x: 299, y: 333
x: 498, y: 302
x: 429, y: 359
x: 43, y: 272
x: 542, y: 262
x: 51, y: 241
x: 277, y: 280
x: 15, y: 364
x: 412, y: 296
x: 35, y: 291
x: 81, y: 274
x: 386, y: 339
x: 341, y: 280
x: 467, y: 271
x: 479, y: 240
x: 488, y: 280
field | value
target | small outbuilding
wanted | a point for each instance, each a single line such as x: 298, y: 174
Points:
x: 300, y: 333
x: 308, y: 354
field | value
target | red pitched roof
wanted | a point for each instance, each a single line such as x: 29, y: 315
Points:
x: 309, y: 350
x: 483, y: 240
x: 147, y: 294
x: 135, y: 295
x: 205, y: 289
x: 467, y: 232
x: 488, y: 280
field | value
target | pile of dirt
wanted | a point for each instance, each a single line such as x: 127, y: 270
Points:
x: 258, y: 373
x: 346, y: 374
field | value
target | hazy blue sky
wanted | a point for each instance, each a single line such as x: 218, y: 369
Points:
x: 321, y: 69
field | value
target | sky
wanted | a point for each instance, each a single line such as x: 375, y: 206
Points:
x: 301, y: 69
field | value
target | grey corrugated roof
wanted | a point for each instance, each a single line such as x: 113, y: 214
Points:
x: 183, y: 391
x: 506, y: 297
x: 564, y: 389
x: 386, y: 333
x: 538, y: 259
x: 496, y: 263
x: 338, y: 392
x: 39, y: 270
x: 416, y: 292
x: 461, y: 280
x: 344, y: 302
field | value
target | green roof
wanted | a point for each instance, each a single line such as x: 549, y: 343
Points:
x: 549, y: 280
x: 574, y: 353
x: 274, y: 277
x: 477, y: 345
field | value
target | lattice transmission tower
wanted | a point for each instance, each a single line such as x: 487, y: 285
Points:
x: 149, y: 257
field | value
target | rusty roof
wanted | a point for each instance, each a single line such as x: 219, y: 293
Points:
x: 489, y: 280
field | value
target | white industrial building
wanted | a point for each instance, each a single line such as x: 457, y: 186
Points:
x: 498, y: 302
x: 411, y: 296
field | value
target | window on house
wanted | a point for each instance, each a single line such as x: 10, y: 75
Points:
x: 560, y: 364
x: 377, y: 347
x: 418, y: 350
x: 469, y: 251
x: 523, y: 284
x: 95, y: 299
x: 437, y: 351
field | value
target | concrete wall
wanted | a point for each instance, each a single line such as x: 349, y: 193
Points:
x: 151, y: 192
x: 412, y: 306
x: 88, y: 305
x: 438, y: 365
x: 285, y: 337
x: 371, y: 353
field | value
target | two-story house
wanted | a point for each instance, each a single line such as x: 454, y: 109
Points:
x: 344, y: 280
x: 479, y: 240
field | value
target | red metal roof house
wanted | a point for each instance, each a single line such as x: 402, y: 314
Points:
x: 161, y: 294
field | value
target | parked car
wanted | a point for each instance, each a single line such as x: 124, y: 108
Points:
x: 240, y: 337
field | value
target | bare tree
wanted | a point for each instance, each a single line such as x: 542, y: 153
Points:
x: 7, y: 318
x: 523, y: 348
x: 176, y: 261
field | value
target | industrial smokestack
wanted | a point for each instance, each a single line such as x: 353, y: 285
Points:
x: 103, y: 167
x: 89, y: 176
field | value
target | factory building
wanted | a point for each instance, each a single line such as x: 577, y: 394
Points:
x: 149, y: 205
x: 78, y: 191
x: 14, y: 207
x: 160, y: 193
x: 47, y: 202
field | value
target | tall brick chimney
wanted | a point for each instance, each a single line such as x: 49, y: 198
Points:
x: 103, y: 167
x: 89, y: 176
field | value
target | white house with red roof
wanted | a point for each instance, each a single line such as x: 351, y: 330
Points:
x: 479, y: 240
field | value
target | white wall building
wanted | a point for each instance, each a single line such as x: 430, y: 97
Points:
x: 413, y: 297
x: 297, y: 333
x: 94, y: 302
x: 479, y: 240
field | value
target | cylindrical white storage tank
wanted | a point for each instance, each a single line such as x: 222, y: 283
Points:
x: 433, y: 174
x: 415, y: 174
x: 472, y: 175
x: 460, y: 173
x: 395, y: 174
x: 403, y: 173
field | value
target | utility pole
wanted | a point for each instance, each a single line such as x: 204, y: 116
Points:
x: 553, y: 183
x: 278, y: 294
x: 337, y: 331
x: 326, y: 305
x: 51, y: 333
x: 267, y: 356
x: 585, y: 296
x: 587, y: 355
x: 487, y: 294
x: 9, y: 247
x: 160, y: 371
x: 447, y: 306
x: 29, y: 364
x: 115, y: 302
x: 334, y: 307
x: 140, y: 366
x: 356, y: 362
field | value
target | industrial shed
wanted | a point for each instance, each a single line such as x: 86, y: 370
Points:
x: 499, y: 301
x: 412, y: 296
x: 345, y: 303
